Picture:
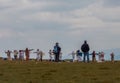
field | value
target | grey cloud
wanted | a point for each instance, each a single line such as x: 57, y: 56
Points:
x: 12, y: 18
x: 68, y: 5
x: 111, y: 3
x: 64, y: 5
x: 111, y: 20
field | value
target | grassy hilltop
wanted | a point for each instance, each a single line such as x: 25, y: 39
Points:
x: 49, y: 72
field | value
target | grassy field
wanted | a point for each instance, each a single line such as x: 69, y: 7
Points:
x: 49, y: 72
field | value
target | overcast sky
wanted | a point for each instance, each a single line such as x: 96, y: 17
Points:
x: 41, y: 23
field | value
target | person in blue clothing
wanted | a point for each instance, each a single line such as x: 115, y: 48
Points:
x: 79, y: 55
x: 85, y: 49
x: 57, y: 51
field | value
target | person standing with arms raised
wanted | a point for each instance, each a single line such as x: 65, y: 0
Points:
x: 27, y: 53
x: 85, y: 49
x: 8, y: 55
x: 57, y: 51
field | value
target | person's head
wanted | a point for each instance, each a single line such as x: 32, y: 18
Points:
x: 78, y: 50
x: 26, y: 48
x: 15, y: 50
x: 85, y: 41
x: 57, y: 44
x: 37, y: 49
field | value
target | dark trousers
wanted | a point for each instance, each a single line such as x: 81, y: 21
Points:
x: 56, y: 57
x: 15, y: 57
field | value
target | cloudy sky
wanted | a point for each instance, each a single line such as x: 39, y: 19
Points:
x: 41, y: 23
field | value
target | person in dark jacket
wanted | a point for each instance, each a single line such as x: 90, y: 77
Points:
x: 57, y: 51
x: 85, y: 49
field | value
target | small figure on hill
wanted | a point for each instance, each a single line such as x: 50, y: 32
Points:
x: 38, y: 55
x: 50, y: 55
x: 27, y: 53
x: 99, y: 57
x: 8, y: 54
x: 21, y: 55
x: 79, y: 55
x: 112, y: 57
x: 93, y: 56
x: 57, y: 51
x: 15, y: 54
x: 102, y: 56
x: 85, y: 49
x: 41, y: 55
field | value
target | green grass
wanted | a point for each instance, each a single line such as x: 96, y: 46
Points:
x: 49, y: 72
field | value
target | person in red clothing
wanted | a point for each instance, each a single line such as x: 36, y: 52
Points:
x: 102, y: 56
x: 27, y: 53
x: 93, y: 56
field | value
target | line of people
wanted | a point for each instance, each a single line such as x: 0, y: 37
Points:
x: 19, y: 55
x: 56, y: 54
x: 77, y: 56
x: 85, y: 51
x: 101, y: 56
